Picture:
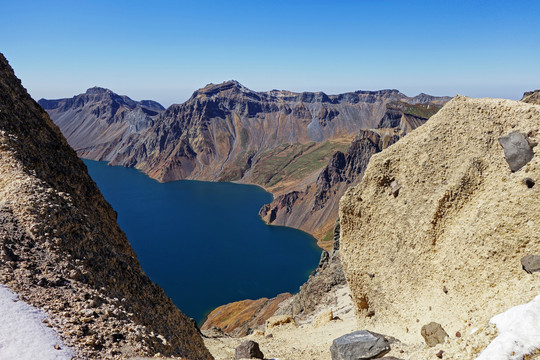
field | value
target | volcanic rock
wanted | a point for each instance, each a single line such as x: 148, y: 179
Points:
x: 249, y: 349
x: 359, y: 345
x: 517, y: 150
x: 531, y: 263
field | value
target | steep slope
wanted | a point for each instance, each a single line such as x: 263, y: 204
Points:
x: 446, y: 247
x: 63, y: 252
x: 315, y: 209
x: 94, y: 123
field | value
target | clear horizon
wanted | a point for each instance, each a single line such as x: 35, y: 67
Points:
x: 164, y: 51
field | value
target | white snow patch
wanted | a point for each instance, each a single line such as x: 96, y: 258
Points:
x: 23, y: 336
x: 519, y: 333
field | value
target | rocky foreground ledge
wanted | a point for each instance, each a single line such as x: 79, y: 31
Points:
x: 63, y: 252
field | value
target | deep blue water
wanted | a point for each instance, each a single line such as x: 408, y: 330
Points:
x: 204, y: 242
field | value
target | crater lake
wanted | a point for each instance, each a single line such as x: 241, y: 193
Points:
x: 203, y: 242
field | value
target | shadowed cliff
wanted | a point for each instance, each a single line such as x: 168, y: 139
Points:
x: 62, y: 250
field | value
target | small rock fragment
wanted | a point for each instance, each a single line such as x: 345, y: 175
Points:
x: 528, y: 182
x: 439, y: 354
x: 458, y: 334
x: 531, y: 263
x: 517, y: 150
x: 433, y: 333
x: 359, y: 345
x: 396, y: 186
x: 249, y: 349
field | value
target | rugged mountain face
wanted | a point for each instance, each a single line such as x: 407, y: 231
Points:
x: 95, y: 122
x: 227, y: 132
x: 446, y: 247
x: 532, y: 97
x: 278, y: 139
x: 62, y: 251
x: 315, y: 209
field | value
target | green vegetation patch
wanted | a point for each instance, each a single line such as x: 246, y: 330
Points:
x: 244, y: 138
x: 237, y: 169
x: 329, y: 236
x: 294, y: 162
x: 420, y: 110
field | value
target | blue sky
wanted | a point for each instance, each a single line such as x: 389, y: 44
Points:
x: 164, y: 50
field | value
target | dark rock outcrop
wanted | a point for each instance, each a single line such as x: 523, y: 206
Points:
x: 249, y: 349
x: 532, y: 97
x: 359, y: 345
x: 62, y: 250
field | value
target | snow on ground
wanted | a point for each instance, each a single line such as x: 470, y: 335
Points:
x: 519, y: 333
x: 23, y: 336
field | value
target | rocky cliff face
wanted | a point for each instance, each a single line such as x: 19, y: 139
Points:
x: 96, y: 122
x: 227, y: 132
x: 315, y: 209
x: 62, y: 250
x: 446, y: 246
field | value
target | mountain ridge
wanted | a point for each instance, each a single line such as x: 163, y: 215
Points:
x: 277, y: 139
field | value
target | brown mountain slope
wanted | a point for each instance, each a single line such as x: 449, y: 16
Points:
x: 315, y: 208
x: 62, y: 251
x: 446, y: 247
x: 95, y: 122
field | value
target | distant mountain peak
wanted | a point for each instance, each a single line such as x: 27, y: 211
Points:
x: 98, y: 90
x: 226, y: 86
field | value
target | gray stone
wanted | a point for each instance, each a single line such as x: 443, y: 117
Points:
x: 248, y: 350
x: 531, y: 263
x: 433, y: 334
x: 359, y: 345
x: 517, y: 150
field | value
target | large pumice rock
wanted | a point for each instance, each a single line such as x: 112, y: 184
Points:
x: 449, y: 245
x: 62, y: 250
x: 359, y: 345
